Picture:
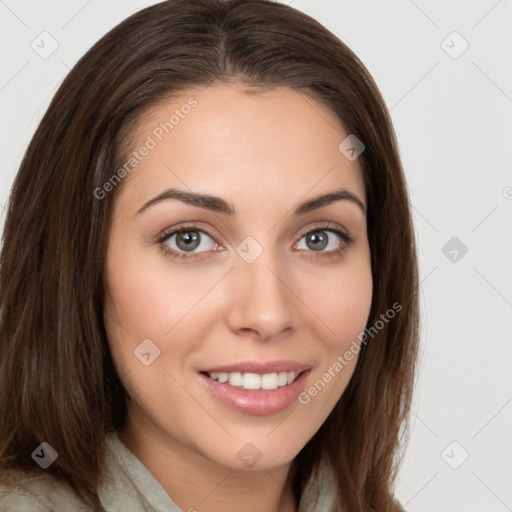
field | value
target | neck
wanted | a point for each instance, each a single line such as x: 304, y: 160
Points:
x: 195, y: 483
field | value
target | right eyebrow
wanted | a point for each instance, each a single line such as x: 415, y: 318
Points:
x: 208, y: 202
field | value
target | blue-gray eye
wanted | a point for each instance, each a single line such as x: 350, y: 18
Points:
x: 189, y: 240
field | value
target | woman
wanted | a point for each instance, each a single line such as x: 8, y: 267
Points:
x: 209, y: 291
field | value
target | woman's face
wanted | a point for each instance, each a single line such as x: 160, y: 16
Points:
x: 261, y: 288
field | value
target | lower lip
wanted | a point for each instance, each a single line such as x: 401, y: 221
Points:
x: 258, y: 402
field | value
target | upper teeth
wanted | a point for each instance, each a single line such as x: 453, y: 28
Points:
x: 255, y: 380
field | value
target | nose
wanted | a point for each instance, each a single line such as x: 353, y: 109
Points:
x: 260, y: 298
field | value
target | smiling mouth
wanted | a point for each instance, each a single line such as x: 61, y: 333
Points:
x: 254, y: 381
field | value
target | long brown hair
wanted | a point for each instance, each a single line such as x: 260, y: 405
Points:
x: 57, y: 380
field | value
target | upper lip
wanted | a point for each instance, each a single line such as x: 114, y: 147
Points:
x: 259, y: 367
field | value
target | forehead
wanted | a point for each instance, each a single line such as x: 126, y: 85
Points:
x: 245, y: 146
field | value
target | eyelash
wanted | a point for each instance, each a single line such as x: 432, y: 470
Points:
x: 347, y: 240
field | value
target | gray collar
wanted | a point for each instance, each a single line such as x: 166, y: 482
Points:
x: 127, y: 480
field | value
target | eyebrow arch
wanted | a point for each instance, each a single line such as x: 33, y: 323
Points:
x: 219, y: 205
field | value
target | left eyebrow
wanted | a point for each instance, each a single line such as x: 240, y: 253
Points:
x: 327, y: 199
x: 219, y: 205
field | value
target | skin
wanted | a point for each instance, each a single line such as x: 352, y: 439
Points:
x: 264, y: 153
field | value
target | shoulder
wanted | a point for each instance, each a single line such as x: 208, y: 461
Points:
x: 26, y: 492
x: 399, y: 506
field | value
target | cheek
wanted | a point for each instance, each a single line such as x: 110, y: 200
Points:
x: 144, y: 303
x: 348, y: 305
x: 340, y: 299
x: 138, y: 302
x: 149, y: 298
x: 340, y: 305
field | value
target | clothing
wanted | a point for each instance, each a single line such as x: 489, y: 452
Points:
x: 128, y: 486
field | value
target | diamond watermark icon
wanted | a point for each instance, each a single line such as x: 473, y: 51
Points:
x: 147, y: 352
x: 249, y: 249
x: 454, y: 249
x: 44, y: 455
x: 454, y: 455
x: 44, y: 45
x: 249, y: 455
x: 351, y: 147
x: 454, y: 45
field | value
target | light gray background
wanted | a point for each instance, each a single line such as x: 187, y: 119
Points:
x: 453, y: 118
